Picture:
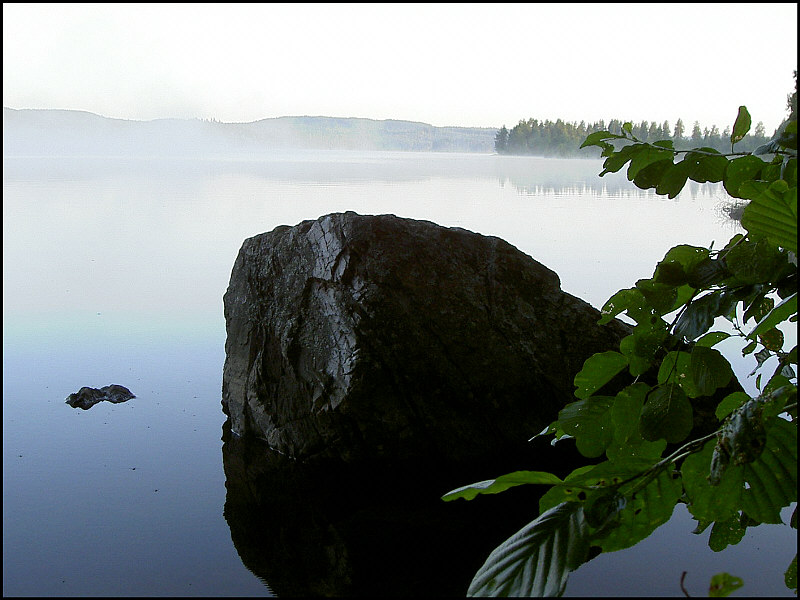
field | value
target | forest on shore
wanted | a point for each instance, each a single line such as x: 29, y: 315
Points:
x: 563, y: 139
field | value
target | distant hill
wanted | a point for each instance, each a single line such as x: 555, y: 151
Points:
x: 39, y: 132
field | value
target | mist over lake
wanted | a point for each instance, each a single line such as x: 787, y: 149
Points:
x: 114, y: 271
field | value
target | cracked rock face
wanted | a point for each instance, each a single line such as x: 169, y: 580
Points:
x: 360, y: 337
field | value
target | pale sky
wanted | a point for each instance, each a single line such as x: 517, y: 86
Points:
x: 471, y: 65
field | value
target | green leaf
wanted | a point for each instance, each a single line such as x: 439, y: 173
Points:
x: 652, y: 175
x: 772, y: 212
x: 790, y: 577
x: 658, y: 295
x: 722, y: 584
x: 588, y: 421
x: 741, y: 126
x: 630, y: 300
x: 730, y: 403
x: 537, y: 560
x: 617, y: 160
x: 627, y: 443
x: 602, y: 508
x: 597, y: 371
x: 502, y: 483
x: 706, y: 501
x: 772, y: 339
x: 674, y: 179
x: 676, y: 369
x: 645, y: 510
x: 772, y: 478
x: 699, y: 316
x: 594, y: 139
x: 643, y: 344
x: 780, y: 313
x: 756, y: 261
x: 759, y: 308
x: 667, y: 414
x: 709, y: 370
x: 741, y: 170
x: 712, y: 339
x: 726, y: 533
x: 740, y: 440
x: 707, y: 273
x: 581, y: 479
x: 709, y: 167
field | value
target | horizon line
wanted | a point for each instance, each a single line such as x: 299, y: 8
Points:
x: 213, y: 120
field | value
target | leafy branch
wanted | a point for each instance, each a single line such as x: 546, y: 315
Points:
x: 737, y: 472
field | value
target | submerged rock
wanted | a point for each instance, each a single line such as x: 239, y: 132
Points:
x: 360, y: 337
x: 87, y: 397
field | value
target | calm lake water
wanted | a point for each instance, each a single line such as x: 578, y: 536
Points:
x: 114, y: 271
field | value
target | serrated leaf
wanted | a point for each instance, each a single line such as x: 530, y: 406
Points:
x: 502, y: 483
x: 772, y: 478
x: 537, y: 560
x: 722, y: 584
x: 772, y: 212
x: 710, y: 502
x: 667, y: 414
x: 597, y: 371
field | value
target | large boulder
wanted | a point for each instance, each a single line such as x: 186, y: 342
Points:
x: 365, y: 337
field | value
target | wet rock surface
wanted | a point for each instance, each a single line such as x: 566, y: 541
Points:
x: 87, y: 397
x: 360, y: 337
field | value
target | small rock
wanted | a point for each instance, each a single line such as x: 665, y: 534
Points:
x: 87, y: 397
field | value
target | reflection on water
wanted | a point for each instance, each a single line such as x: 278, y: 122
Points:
x: 530, y: 176
x: 378, y: 530
x: 114, y: 271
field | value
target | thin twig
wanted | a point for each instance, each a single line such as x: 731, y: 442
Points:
x: 683, y: 589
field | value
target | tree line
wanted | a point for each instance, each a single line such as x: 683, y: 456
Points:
x: 563, y: 139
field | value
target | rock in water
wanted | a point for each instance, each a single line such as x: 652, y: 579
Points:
x: 364, y: 337
x: 87, y: 397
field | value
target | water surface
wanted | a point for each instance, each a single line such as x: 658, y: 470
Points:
x: 114, y: 271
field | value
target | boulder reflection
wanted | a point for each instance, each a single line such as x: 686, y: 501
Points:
x: 368, y: 531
